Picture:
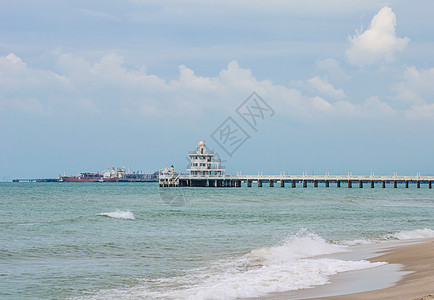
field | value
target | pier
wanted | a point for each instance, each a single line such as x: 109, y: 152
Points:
x: 293, y: 181
x: 207, y: 172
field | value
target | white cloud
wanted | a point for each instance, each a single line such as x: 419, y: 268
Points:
x: 333, y: 69
x: 417, y: 86
x: 421, y: 112
x: 378, y: 42
x: 325, y: 88
x: 27, y: 89
x: 109, y: 88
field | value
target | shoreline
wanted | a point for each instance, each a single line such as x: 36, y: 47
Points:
x: 417, y: 258
x: 408, y: 274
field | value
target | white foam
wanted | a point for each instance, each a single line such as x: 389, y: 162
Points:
x: 127, y: 215
x: 413, y: 234
x: 291, y: 265
x: 425, y: 233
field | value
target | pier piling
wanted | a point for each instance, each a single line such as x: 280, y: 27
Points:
x: 360, y: 184
x: 350, y: 184
x: 372, y: 184
x: 259, y: 183
x: 304, y: 184
x: 383, y: 184
x: 282, y: 183
x: 406, y: 184
x: 271, y: 183
x: 395, y: 184
x: 249, y: 183
x: 327, y: 183
x: 338, y: 183
x: 315, y: 183
x: 418, y: 184
x: 293, y: 184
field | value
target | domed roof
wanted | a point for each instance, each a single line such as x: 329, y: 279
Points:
x: 201, y: 144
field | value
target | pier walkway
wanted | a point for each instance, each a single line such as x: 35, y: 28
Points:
x: 185, y: 180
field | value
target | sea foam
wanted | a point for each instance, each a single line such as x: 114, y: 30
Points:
x: 127, y: 215
x: 413, y: 234
x: 293, y: 264
x: 416, y: 234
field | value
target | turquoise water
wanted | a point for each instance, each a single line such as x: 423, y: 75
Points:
x: 136, y: 240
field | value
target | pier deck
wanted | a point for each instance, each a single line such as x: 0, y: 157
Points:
x: 182, y: 180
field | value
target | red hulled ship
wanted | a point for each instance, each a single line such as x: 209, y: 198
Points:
x: 84, y: 177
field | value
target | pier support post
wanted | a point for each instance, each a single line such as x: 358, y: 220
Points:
x: 191, y: 183
x: 418, y: 184
x: 249, y: 183
x: 305, y: 183
x: 271, y: 183
x: 383, y: 184
x: 238, y: 184
x: 395, y: 184
x: 338, y: 184
x: 350, y: 184
x: 282, y: 183
x: 315, y: 183
x: 233, y: 183
x: 293, y: 184
x: 406, y: 184
x: 259, y: 183
x: 327, y: 183
x: 360, y: 184
x: 372, y: 184
x: 429, y: 184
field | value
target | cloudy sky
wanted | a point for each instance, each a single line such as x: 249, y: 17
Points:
x: 345, y: 86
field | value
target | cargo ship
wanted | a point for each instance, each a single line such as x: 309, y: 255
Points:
x: 84, y: 177
x: 112, y: 175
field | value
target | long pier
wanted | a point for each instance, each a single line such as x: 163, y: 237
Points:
x: 349, y: 181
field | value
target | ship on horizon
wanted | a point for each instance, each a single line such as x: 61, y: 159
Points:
x: 111, y: 175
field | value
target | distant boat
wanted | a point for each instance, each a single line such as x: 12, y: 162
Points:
x: 84, y: 177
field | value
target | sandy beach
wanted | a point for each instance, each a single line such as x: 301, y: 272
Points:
x: 418, y: 259
x: 409, y: 275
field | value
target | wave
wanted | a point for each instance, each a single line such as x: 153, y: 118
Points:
x: 292, y: 265
x: 127, y: 215
x: 425, y: 233
x: 413, y: 234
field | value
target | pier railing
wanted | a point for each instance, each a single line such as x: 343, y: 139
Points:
x: 237, y: 180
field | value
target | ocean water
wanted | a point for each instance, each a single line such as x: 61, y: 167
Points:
x: 139, y: 241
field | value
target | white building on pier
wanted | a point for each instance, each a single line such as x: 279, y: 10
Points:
x: 203, y: 163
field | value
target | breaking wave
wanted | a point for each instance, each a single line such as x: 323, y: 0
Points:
x: 425, y: 233
x: 127, y: 215
x: 292, y: 265
x: 413, y: 234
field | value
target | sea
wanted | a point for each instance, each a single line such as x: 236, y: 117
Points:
x: 139, y: 241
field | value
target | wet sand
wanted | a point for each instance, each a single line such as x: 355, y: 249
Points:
x: 408, y: 275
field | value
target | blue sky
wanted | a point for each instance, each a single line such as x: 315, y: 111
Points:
x: 86, y: 85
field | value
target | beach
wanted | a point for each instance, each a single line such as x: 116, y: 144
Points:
x: 410, y: 265
x: 417, y: 258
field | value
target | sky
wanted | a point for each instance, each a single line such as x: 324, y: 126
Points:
x: 273, y: 86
